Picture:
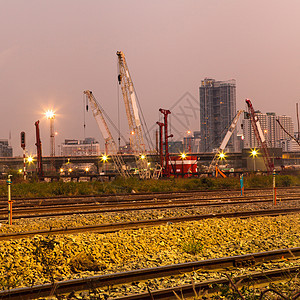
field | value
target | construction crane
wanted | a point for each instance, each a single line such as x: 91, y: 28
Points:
x: 220, y: 152
x: 110, y: 145
x: 260, y: 137
x: 136, y: 136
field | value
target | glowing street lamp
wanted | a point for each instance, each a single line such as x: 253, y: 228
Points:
x: 182, y: 157
x: 104, y: 159
x: 29, y: 159
x: 222, y: 155
x: 188, y: 139
x: 50, y: 114
x: 254, y: 153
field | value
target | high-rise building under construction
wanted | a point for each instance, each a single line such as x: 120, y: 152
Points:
x: 217, y: 110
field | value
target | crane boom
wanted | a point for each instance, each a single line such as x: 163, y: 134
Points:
x: 132, y: 112
x: 260, y: 137
x: 108, y: 138
x: 225, y: 141
x: 129, y: 97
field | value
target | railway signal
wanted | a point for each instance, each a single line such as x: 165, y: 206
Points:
x: 24, y: 154
x: 23, y: 140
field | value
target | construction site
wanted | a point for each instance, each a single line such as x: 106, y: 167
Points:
x: 215, y: 150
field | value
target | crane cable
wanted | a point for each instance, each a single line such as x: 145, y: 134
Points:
x: 84, y: 107
x: 143, y: 121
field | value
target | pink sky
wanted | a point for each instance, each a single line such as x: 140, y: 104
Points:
x: 51, y: 51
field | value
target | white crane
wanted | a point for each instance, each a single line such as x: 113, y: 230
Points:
x: 110, y: 144
x: 136, y: 136
x: 225, y: 141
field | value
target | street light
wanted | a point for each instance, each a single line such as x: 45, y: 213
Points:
x: 182, y: 157
x: 50, y: 115
x: 222, y: 155
x: 189, y: 132
x: 29, y: 159
x: 104, y: 159
x: 254, y: 153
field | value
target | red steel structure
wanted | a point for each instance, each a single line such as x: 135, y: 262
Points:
x: 260, y: 137
x: 161, y: 147
x: 166, y: 170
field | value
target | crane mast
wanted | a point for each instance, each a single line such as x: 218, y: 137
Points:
x: 130, y: 101
x: 260, y: 137
x: 108, y: 138
x: 225, y: 141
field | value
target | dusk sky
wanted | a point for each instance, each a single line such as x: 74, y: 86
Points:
x: 51, y: 51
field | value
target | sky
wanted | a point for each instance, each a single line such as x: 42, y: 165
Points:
x: 51, y: 51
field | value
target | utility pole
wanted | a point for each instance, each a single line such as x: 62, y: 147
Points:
x: 51, y: 116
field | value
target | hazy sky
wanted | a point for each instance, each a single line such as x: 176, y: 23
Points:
x: 51, y: 51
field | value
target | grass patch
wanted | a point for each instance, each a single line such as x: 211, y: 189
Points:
x: 122, y: 185
x: 192, y: 246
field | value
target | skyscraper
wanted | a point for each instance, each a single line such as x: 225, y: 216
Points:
x: 217, y: 110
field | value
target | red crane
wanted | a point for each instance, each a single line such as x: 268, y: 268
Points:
x: 260, y: 137
x: 166, y: 170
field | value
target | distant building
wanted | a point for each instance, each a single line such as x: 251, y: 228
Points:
x: 5, y: 149
x: 72, y: 147
x: 274, y: 135
x: 126, y: 149
x: 217, y: 110
x: 191, y: 142
x: 175, y: 147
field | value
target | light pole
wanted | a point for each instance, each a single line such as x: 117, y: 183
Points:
x: 254, y: 153
x: 51, y: 116
x: 104, y: 159
x: 189, y: 147
x: 182, y: 156
x: 29, y: 162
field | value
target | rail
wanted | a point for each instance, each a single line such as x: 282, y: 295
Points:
x: 63, y: 287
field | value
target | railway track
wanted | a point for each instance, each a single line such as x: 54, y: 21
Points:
x: 120, y: 198
x: 213, y: 286
x: 106, y: 228
x: 64, y: 210
x: 31, y: 208
x: 64, y: 287
x: 51, y: 209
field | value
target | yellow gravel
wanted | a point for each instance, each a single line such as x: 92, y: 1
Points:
x: 72, y: 256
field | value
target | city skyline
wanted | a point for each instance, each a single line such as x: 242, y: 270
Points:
x: 52, y: 51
